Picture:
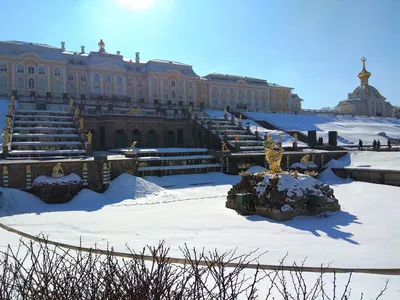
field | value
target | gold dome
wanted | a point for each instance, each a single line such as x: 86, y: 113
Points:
x: 364, y: 74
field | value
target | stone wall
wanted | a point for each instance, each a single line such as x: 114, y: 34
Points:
x: 389, y: 177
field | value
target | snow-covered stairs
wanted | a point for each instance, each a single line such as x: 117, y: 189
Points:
x: 43, y: 133
x: 172, y: 161
x: 247, y: 141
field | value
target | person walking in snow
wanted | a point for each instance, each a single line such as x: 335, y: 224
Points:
x: 378, y: 145
x: 389, y: 144
x: 374, y: 145
x: 360, y: 144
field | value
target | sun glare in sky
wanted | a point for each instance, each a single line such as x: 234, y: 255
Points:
x: 137, y: 4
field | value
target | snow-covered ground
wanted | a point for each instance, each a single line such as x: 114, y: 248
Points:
x: 350, y: 129
x: 286, y: 139
x: 191, y: 209
x: 368, y: 159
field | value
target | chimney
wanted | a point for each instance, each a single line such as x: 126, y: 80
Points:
x: 137, y: 59
x: 62, y: 46
x: 118, y: 52
x: 82, y: 49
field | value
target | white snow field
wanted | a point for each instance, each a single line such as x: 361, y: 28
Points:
x: 191, y: 209
x: 350, y: 129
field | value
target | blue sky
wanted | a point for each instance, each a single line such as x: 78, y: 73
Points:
x: 314, y: 46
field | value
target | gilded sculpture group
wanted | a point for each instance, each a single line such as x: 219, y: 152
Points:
x: 7, y: 131
x: 78, y: 117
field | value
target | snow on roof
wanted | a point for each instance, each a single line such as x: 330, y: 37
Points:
x: 29, y: 43
x: 169, y: 62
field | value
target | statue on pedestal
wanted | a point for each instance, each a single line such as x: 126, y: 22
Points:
x: 8, y: 123
x: 6, y: 138
x: 89, y: 138
x: 101, y: 45
x: 132, y: 147
x: 295, y: 138
x: 190, y: 109
x: 81, y: 123
x: 77, y: 112
x: 71, y: 102
x: 224, y: 148
x: 58, y: 171
x: 237, y: 138
x: 240, y: 118
x: 273, y: 155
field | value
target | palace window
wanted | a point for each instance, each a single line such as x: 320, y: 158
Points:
x: 96, y: 78
x: 21, y: 83
x: 181, y: 84
x: 165, y: 93
x: 165, y: 83
x: 139, y: 83
x: 273, y: 94
x: 280, y: 103
x: 31, y: 83
x: 180, y: 95
x: 155, y: 94
x: 154, y: 81
x: 119, y: 80
x: 287, y: 104
x: 108, y: 79
x: 119, y: 91
x: 173, y: 83
x: 41, y: 71
x: 42, y: 85
x: 57, y: 86
x: 20, y: 69
x: 70, y: 76
x: 203, y: 88
x: 215, y: 99
x: 108, y: 91
x: 280, y: 94
x: 83, y: 77
x: 231, y: 100
x: 190, y: 95
x: 71, y: 88
x: 203, y: 98
x: 3, y: 67
x: 173, y: 94
x: 255, y: 102
x: 31, y: 70
x: 57, y: 72
x: 224, y: 99
x: 190, y: 85
x: 129, y: 82
x: 3, y: 82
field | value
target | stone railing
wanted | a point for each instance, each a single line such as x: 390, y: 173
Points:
x: 389, y: 177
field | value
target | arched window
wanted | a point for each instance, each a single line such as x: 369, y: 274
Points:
x: 108, y: 79
x: 96, y: 78
x: 96, y: 89
x: 31, y: 69
x: 3, y: 67
x: 41, y: 70
x: 71, y: 89
x: 42, y: 85
x: 21, y: 83
x: 83, y: 77
x: 70, y: 76
x: 203, y: 88
x: 173, y: 94
x: 280, y: 103
x: 180, y: 95
x: 215, y: 98
x: 223, y: 98
x: 31, y: 83
x: 181, y: 84
x: 190, y: 85
x: 165, y: 83
x: 190, y: 95
x: 20, y: 69
x: 3, y: 82
x: 119, y: 80
x: 57, y: 72
x: 155, y: 94
x: 273, y: 104
x: 287, y: 104
x: 203, y: 98
x: 154, y: 81
x: 57, y: 86
x: 166, y: 93
x: 173, y: 83
x: 108, y: 91
x: 231, y: 100
x: 129, y: 82
x: 120, y: 92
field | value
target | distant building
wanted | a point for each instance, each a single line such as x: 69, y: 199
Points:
x: 365, y: 100
x: 46, y: 71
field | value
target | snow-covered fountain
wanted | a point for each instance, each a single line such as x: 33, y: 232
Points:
x: 280, y: 195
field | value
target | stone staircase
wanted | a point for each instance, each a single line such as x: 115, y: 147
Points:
x: 173, y: 161
x: 43, y: 133
x: 229, y: 131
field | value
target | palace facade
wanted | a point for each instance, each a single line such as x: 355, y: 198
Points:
x: 365, y: 100
x: 39, y: 70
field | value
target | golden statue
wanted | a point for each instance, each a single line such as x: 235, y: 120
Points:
x: 268, y: 142
x: 5, y: 170
x: 311, y: 173
x: 132, y: 147
x: 8, y: 122
x: 224, y: 148
x: 273, y: 156
x: 12, y: 100
x: 81, y: 123
x: 28, y: 169
x: 77, y: 112
x: 6, y: 138
x: 237, y: 138
x: 71, y: 102
x: 10, y: 109
x: 84, y: 167
x: 58, y: 171
x: 304, y: 159
x: 294, y: 173
x: 225, y: 110
x: 295, y: 138
x: 240, y: 117
x: 101, y: 45
x: 89, y: 138
x: 105, y: 166
x: 190, y: 109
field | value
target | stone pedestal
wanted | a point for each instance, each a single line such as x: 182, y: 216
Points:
x: 89, y: 149
x: 237, y: 147
x: 131, y: 154
x: 294, y: 145
x: 217, y: 132
x: 5, y: 151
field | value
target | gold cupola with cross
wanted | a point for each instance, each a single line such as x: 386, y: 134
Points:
x: 364, y: 74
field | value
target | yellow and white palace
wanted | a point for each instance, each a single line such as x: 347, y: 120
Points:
x: 31, y: 68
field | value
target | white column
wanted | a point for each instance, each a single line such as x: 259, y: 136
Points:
x: 64, y: 79
x: 13, y: 74
x: 48, y: 83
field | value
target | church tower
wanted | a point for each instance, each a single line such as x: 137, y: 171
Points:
x: 364, y: 74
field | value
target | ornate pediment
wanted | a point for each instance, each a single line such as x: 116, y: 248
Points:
x: 241, y: 81
x: 107, y: 66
